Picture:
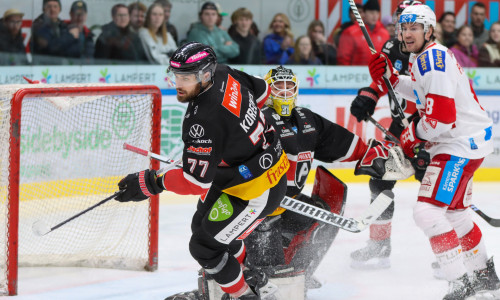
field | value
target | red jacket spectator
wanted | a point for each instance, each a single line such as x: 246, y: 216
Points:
x: 353, y: 49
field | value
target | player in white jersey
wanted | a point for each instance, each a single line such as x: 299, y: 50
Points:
x: 457, y: 133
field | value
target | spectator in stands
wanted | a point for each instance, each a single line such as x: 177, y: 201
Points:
x: 477, y: 17
x: 278, y: 45
x: 352, y: 48
x: 221, y: 16
x: 51, y: 36
x: 208, y: 33
x: 117, y: 41
x: 137, y: 12
x: 447, y: 22
x: 489, y: 54
x: 389, y: 25
x: 76, y: 26
x: 303, y: 54
x: 438, y: 33
x: 167, y: 9
x: 326, y: 53
x: 12, y: 50
x: 464, y: 50
x: 345, y: 25
x: 157, y: 42
x: 240, y: 32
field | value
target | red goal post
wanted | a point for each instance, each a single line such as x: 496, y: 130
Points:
x: 61, y: 152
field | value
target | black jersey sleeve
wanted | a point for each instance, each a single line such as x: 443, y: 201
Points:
x: 258, y: 85
x: 334, y: 142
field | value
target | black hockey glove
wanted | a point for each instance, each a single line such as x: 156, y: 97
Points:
x: 420, y: 162
x: 139, y: 186
x: 364, y: 104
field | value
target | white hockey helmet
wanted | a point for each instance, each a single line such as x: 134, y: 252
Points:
x: 421, y: 14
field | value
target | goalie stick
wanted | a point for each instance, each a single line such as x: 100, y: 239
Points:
x: 374, y: 210
x: 390, y: 89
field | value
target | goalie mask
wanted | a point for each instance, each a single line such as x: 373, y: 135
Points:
x: 284, y: 90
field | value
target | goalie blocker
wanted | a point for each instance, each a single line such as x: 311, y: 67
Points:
x: 288, y: 248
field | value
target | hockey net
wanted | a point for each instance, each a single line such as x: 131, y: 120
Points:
x: 61, y: 151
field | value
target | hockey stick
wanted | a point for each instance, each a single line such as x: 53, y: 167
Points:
x: 385, y: 131
x: 374, y: 210
x: 390, y: 89
x: 41, y: 228
x: 492, y: 221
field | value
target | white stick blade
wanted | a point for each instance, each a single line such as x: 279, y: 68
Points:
x: 40, y: 228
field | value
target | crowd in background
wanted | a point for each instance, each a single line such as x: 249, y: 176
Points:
x: 140, y: 35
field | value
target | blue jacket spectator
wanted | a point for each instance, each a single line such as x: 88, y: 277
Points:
x: 208, y: 33
x: 117, y: 41
x: 278, y: 45
x: 51, y: 36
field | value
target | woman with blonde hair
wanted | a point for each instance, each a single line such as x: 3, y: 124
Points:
x: 489, y: 54
x: 278, y: 45
x: 158, y: 43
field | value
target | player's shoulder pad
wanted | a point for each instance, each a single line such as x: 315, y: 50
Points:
x: 439, y: 58
x: 432, y: 58
x: 423, y: 63
x: 232, y: 96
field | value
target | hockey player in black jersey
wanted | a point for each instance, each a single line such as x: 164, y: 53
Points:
x: 376, y: 254
x: 286, y: 244
x: 232, y: 157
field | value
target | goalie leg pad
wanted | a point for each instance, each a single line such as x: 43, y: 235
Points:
x: 310, y: 242
x: 264, y: 244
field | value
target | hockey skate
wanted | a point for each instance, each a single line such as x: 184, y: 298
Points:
x: 259, y: 284
x: 486, y: 283
x: 374, y: 256
x: 437, y: 272
x: 460, y: 289
x: 193, y: 295
x: 312, y: 283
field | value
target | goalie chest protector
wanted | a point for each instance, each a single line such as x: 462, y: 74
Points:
x: 298, y: 135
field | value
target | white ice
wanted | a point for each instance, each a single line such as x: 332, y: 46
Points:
x: 410, y: 276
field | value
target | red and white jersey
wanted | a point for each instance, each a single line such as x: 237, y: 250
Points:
x: 452, y: 120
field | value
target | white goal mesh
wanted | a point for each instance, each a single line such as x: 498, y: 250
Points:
x: 71, y: 157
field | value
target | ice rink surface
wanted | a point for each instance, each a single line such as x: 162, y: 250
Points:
x: 409, y: 278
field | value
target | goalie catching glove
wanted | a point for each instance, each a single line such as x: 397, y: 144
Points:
x: 384, y: 162
x: 139, y: 186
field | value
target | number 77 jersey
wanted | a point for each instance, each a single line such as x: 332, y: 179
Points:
x: 227, y: 141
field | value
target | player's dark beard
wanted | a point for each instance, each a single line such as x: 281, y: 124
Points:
x: 188, y: 96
